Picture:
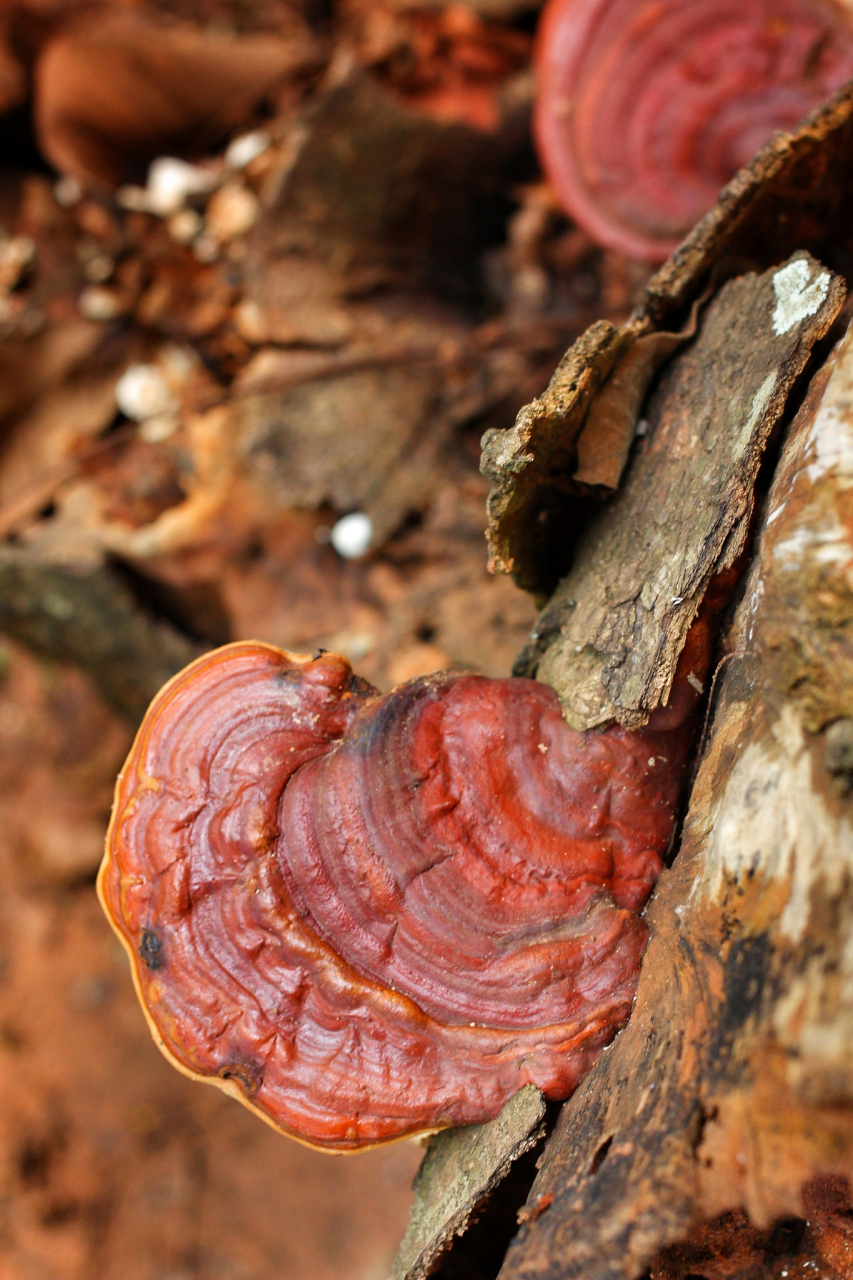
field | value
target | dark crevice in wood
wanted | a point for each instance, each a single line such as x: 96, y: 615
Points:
x: 600, y: 1156
x: 479, y: 1254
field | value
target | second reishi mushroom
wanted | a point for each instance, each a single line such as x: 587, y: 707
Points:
x: 645, y: 108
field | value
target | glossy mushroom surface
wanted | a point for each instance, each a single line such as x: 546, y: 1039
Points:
x: 371, y: 915
x: 646, y: 108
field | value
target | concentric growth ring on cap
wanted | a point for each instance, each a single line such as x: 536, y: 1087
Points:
x: 368, y: 916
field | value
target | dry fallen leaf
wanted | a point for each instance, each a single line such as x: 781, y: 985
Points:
x: 114, y: 90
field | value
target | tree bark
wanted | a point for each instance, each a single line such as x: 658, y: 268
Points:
x: 732, y: 1086
x: 726, y: 1105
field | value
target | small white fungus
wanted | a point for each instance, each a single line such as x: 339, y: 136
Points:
x: 245, y: 149
x: 172, y: 181
x: 351, y: 535
x: 142, y: 392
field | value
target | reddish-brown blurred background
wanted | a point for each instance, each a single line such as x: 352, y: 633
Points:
x: 326, y: 327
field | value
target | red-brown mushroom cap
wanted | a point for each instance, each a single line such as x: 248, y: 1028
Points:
x: 368, y: 916
x: 645, y: 108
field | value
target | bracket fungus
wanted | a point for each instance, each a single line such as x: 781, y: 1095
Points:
x: 368, y: 915
x: 645, y: 108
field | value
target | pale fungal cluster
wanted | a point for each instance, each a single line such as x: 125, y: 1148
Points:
x: 150, y: 394
x: 206, y: 206
x: 175, y: 187
x: 17, y: 254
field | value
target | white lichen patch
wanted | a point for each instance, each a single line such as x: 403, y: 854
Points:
x: 760, y: 401
x: 826, y: 542
x: 829, y: 448
x: 772, y: 825
x: 816, y: 535
x: 797, y: 294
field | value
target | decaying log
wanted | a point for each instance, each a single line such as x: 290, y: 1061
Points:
x: 729, y: 1090
x: 732, y: 1085
x: 617, y: 622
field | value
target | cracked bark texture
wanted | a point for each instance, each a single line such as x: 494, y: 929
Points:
x: 732, y: 1086
x: 720, y: 1092
x: 791, y: 196
x: 614, y: 628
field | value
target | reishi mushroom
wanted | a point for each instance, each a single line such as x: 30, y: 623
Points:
x: 645, y: 108
x: 368, y: 915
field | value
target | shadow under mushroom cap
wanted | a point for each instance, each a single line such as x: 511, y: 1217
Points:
x: 368, y: 916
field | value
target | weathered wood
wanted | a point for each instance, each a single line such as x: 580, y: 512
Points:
x: 84, y: 612
x: 461, y: 1167
x: 710, y: 420
x: 530, y: 465
x: 609, y: 639
x: 733, y: 1083
x: 794, y: 194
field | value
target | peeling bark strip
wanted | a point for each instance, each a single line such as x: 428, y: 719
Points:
x: 531, y: 464
x: 461, y: 1168
x: 733, y: 1083
x: 795, y: 193
x: 604, y: 445
x: 613, y: 630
